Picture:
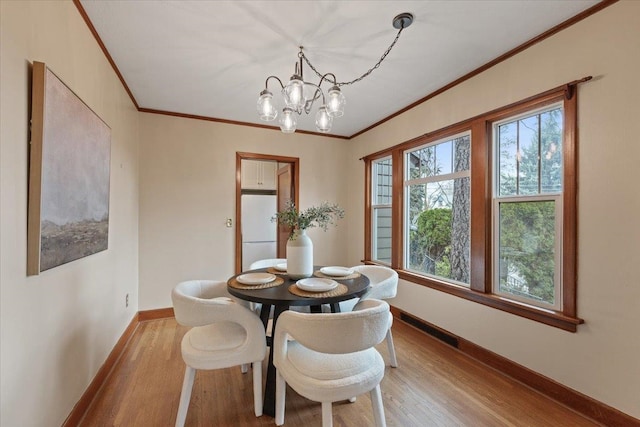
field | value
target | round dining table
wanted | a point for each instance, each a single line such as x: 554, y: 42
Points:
x: 281, y: 298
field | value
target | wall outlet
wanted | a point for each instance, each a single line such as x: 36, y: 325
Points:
x: 126, y: 301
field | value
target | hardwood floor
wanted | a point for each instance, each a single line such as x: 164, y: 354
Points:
x: 434, y: 385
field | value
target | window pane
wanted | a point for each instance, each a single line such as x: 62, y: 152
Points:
x: 551, y: 151
x: 462, y: 154
x: 507, y: 163
x: 527, y: 241
x: 439, y: 232
x: 382, y: 179
x: 382, y: 234
x: 421, y: 163
x: 530, y: 155
x: 443, y: 158
x: 381, y: 220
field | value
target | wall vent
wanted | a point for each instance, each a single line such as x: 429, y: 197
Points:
x: 436, y: 333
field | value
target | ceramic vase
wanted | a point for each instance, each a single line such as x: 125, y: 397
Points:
x: 300, y: 256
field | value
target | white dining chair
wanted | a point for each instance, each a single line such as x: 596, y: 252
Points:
x: 383, y: 284
x: 266, y: 263
x: 223, y: 334
x: 326, y: 366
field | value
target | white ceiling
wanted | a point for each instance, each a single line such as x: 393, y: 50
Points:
x: 211, y: 58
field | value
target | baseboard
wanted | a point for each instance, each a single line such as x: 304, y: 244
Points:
x: 78, y: 411
x: 585, y: 405
x: 160, y: 313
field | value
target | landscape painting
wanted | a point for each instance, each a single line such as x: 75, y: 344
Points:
x: 70, y: 159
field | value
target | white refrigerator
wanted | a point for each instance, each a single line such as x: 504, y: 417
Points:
x: 259, y: 233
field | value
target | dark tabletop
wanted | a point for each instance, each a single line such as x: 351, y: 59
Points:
x: 280, y: 295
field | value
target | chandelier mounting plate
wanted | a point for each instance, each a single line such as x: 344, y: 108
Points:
x: 403, y: 20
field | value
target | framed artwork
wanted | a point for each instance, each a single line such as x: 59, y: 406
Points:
x: 69, y: 171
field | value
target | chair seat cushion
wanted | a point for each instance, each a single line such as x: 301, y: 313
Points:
x: 220, y: 345
x: 218, y: 336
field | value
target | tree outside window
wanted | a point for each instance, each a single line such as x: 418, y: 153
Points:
x: 438, y: 209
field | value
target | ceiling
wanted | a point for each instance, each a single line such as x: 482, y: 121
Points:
x: 211, y: 58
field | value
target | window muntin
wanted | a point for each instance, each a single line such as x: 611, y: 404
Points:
x: 382, y: 187
x: 527, y: 208
x: 437, y: 209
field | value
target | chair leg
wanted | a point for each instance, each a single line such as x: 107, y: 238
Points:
x: 185, y: 395
x: 244, y: 368
x: 327, y: 416
x: 257, y: 387
x: 392, y: 349
x: 281, y: 388
x: 378, y: 409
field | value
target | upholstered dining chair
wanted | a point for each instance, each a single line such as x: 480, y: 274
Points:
x: 223, y: 334
x: 327, y: 367
x: 383, y: 284
x: 265, y: 263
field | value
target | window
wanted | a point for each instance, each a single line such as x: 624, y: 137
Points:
x: 437, y: 208
x: 485, y: 209
x: 381, y: 210
x: 527, y: 207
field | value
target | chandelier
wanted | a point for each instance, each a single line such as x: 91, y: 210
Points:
x: 299, y: 95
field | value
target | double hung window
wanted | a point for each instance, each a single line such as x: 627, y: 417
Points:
x: 527, y: 207
x: 381, y: 210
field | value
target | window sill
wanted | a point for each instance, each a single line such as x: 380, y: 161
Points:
x: 548, y: 317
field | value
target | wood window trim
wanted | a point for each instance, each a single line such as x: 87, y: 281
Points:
x: 480, y: 290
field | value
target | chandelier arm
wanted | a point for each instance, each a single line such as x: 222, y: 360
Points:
x: 384, y: 55
x: 266, y: 82
x: 316, y: 95
x: 324, y: 77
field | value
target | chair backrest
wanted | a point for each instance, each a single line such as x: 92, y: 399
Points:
x: 358, y: 330
x: 264, y: 263
x: 383, y: 281
x: 202, y: 302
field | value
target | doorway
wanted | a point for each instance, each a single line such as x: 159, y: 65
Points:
x: 262, y: 180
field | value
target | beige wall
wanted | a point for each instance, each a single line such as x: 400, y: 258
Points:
x: 187, y: 191
x: 602, y: 359
x: 58, y: 328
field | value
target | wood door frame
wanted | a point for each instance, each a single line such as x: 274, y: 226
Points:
x: 295, y: 164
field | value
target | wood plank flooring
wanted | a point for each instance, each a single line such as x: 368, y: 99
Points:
x: 434, y: 385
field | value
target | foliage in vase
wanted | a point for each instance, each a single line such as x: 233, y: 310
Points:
x: 316, y: 216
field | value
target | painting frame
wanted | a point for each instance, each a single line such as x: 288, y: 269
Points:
x: 69, y: 176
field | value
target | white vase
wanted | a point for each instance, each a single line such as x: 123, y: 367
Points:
x: 300, y: 256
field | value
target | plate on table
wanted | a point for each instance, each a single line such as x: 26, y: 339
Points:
x: 281, y: 267
x: 314, y: 284
x: 336, y: 271
x: 255, y: 278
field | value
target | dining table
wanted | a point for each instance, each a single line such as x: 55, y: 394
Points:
x: 282, y: 292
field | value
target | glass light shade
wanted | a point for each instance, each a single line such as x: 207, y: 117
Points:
x: 323, y: 120
x: 266, y: 108
x: 288, y: 121
x: 336, y: 102
x: 293, y: 93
